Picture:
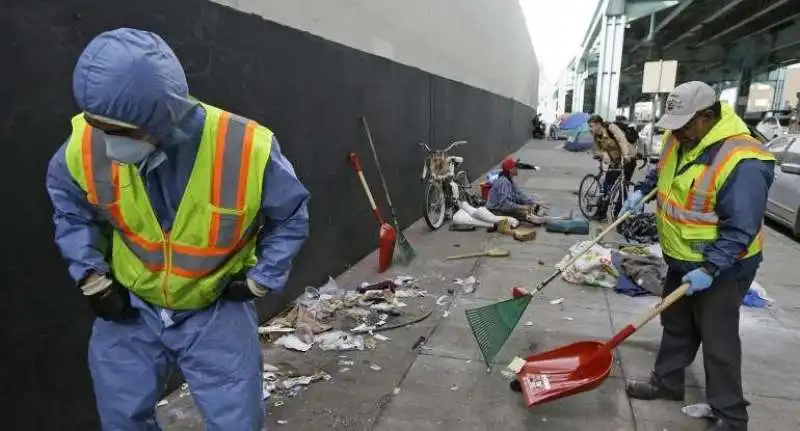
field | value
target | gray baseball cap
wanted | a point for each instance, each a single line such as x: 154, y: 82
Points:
x: 684, y: 101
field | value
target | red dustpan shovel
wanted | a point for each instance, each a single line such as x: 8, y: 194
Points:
x: 386, y: 235
x: 581, y: 366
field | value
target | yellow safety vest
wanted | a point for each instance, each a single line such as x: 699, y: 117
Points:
x: 685, y: 214
x: 216, y: 225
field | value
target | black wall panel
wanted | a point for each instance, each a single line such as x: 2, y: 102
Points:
x: 309, y: 91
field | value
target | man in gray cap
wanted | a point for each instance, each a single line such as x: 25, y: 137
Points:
x: 712, y: 182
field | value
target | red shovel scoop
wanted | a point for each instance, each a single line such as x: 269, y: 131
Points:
x: 386, y: 234
x: 581, y: 366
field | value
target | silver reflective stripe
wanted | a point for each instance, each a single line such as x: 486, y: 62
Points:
x: 101, y: 169
x: 686, y: 216
x: 153, y: 259
x: 231, y: 162
x: 229, y: 226
x: 200, y: 265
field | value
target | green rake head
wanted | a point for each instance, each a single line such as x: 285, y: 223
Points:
x: 403, y: 251
x: 492, y: 324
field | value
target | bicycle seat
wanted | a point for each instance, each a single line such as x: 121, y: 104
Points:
x: 457, y: 159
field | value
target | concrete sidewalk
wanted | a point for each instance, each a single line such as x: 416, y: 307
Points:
x: 444, y: 386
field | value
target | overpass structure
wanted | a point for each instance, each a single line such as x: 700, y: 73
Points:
x: 723, y: 42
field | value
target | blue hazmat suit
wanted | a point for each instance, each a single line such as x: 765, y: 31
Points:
x: 133, y: 76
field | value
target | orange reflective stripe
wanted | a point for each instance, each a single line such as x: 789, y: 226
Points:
x: 216, y: 182
x: 88, y: 169
x: 189, y: 261
x: 231, y: 170
x: 103, y: 191
x: 666, y: 153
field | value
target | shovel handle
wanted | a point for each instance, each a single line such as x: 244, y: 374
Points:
x: 662, y: 305
x: 654, y: 311
x: 357, y: 166
x: 599, y: 237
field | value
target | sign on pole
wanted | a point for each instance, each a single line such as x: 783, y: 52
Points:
x: 659, y: 76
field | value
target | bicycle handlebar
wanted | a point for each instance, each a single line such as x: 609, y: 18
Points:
x: 449, y: 147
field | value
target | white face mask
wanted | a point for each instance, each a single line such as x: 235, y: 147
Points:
x: 126, y: 150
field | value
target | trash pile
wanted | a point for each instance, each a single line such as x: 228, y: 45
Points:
x: 286, y: 382
x: 632, y: 270
x: 336, y: 319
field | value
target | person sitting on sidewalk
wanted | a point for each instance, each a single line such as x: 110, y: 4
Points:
x: 506, y: 199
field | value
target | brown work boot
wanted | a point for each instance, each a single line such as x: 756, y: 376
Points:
x: 651, y: 391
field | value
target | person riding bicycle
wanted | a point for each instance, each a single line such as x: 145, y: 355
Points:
x: 505, y: 197
x: 610, y: 140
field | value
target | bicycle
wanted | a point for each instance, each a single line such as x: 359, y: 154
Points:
x: 593, y: 201
x: 444, y: 186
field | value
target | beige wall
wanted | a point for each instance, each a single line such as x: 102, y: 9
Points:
x: 478, y: 42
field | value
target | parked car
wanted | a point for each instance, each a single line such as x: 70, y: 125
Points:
x: 771, y: 127
x: 783, y: 203
x: 651, y: 151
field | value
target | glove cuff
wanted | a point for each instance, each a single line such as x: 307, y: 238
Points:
x: 256, y: 290
x: 95, y: 284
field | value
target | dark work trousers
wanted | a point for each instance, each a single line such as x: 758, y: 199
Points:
x: 710, y: 317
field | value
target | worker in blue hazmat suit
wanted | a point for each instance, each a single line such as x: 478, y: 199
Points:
x: 173, y: 217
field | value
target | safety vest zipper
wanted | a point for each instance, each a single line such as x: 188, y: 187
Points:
x: 167, y: 269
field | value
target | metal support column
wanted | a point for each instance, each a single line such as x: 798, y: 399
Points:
x: 612, y: 34
x: 743, y: 90
x: 779, y: 99
x: 579, y: 86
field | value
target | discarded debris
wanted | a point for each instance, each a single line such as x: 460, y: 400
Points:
x: 303, y: 380
x: 270, y: 368
x: 272, y: 329
x: 162, y: 403
x: 339, y: 340
x: 291, y: 342
x: 282, y: 422
x: 277, y: 403
x: 417, y: 344
x: 380, y: 337
x: 468, y: 285
x: 541, y: 262
x: 557, y: 301
x: 454, y: 388
x: 569, y: 318
x: 698, y: 411
x: 346, y: 363
x: 344, y: 370
x: 396, y: 391
x: 529, y: 323
x: 375, y: 367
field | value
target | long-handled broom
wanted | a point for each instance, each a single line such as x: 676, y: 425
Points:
x: 404, y: 252
x: 492, y: 324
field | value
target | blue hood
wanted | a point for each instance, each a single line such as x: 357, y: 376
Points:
x: 132, y: 76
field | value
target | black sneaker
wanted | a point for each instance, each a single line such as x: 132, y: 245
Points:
x: 651, y: 391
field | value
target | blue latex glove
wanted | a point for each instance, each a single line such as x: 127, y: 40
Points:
x: 634, y: 202
x: 698, y: 280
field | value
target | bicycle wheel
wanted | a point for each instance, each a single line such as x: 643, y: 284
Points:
x: 589, y: 194
x: 435, y: 205
x: 616, y: 198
